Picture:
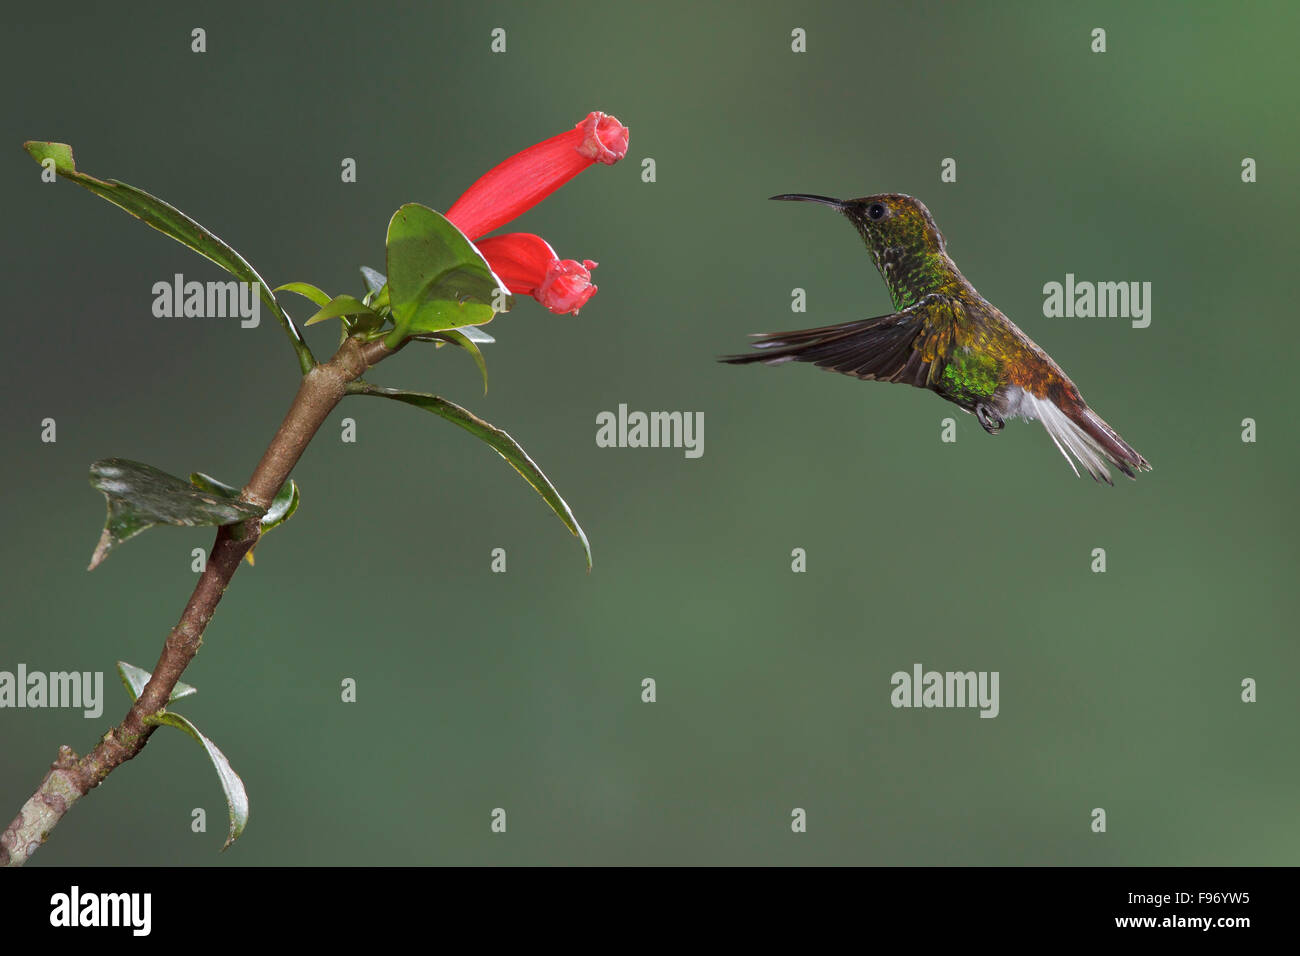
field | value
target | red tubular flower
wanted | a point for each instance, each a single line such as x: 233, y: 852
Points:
x: 525, y: 179
x: 529, y: 266
x: 526, y: 263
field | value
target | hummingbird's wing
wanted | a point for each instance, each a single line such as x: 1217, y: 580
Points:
x: 907, y: 346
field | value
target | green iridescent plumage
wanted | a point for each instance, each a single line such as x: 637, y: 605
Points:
x: 971, y: 376
x: 947, y: 338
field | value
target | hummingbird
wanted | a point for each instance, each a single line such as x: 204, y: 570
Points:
x: 948, y: 338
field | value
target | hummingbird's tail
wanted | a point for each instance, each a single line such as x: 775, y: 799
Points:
x: 1079, y: 431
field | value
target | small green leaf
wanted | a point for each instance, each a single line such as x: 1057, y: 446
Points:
x: 283, y: 505
x: 339, y: 307
x: 439, y: 339
x: 231, y: 785
x: 61, y: 153
x: 141, y: 496
x: 134, y: 678
x: 170, y: 221
x: 475, y: 334
x: 437, y: 278
x: 501, y: 442
x: 365, y: 326
x: 306, y: 290
x: 377, y: 283
x: 376, y: 289
x: 374, y: 279
x: 207, y: 483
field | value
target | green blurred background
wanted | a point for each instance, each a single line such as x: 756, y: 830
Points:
x: 522, y: 690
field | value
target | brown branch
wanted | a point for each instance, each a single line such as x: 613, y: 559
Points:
x: 70, y: 777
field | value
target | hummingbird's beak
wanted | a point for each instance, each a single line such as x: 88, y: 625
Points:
x: 804, y: 197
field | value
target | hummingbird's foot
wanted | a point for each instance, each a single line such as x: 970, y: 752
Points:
x: 989, y: 418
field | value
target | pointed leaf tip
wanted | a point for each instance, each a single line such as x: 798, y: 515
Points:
x: 341, y: 306
x: 61, y: 153
x: 231, y: 784
x: 140, y: 496
x: 374, y: 279
x: 171, y: 222
x: 306, y: 290
x: 134, y: 678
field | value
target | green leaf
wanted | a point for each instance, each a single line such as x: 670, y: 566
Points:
x: 306, y: 290
x: 366, y: 326
x: 471, y: 332
x: 339, y: 307
x: 134, y: 678
x: 283, y: 505
x: 376, y: 289
x: 501, y: 442
x: 374, y: 279
x: 207, y: 483
x: 474, y: 334
x: 231, y: 785
x: 170, y: 221
x: 358, y: 317
x: 141, y: 496
x: 377, y: 284
x: 437, y: 278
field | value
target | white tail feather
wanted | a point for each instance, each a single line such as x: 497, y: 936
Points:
x: 1070, y: 439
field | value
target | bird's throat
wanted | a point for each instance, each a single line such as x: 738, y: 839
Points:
x: 912, y: 274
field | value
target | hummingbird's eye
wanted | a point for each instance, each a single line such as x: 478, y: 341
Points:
x: 876, y: 210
